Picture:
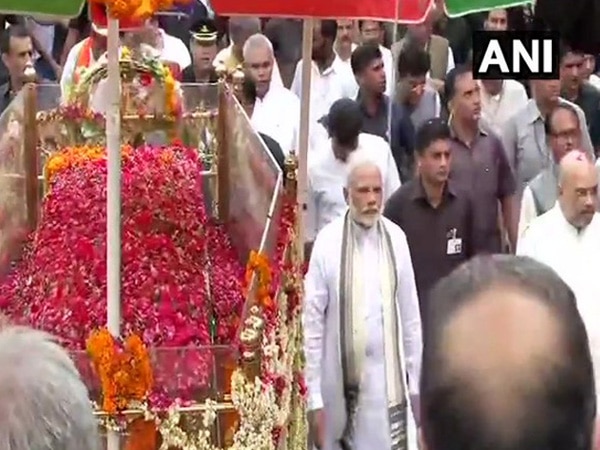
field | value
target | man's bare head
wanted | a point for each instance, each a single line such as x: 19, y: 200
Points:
x: 506, y: 362
x: 578, y: 188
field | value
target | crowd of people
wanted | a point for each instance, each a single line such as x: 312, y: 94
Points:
x: 421, y: 326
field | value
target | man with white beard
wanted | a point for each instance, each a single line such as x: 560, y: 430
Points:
x: 362, y: 328
x: 277, y: 109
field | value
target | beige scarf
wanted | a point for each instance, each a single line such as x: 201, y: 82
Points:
x: 353, y: 333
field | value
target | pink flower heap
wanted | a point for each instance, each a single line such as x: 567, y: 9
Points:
x: 167, y: 243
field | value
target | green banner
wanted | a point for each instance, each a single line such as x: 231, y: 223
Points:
x: 51, y: 8
x: 457, y: 8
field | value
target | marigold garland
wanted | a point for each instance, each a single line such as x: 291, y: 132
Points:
x: 74, y: 156
x: 124, y: 370
x: 137, y: 9
x: 258, y: 264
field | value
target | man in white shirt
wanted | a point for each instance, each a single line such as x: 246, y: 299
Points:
x: 330, y: 78
x: 500, y: 100
x: 567, y: 238
x: 344, y: 46
x: 327, y: 171
x: 372, y: 32
x: 563, y: 134
x: 362, y: 328
x: 277, y: 110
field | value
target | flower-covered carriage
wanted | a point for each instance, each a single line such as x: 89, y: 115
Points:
x: 209, y: 355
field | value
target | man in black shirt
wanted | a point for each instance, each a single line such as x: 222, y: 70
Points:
x: 16, y: 50
x: 437, y: 219
x: 367, y: 65
x: 203, y: 45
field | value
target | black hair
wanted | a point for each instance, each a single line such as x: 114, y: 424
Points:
x: 550, y: 116
x: 516, y: 18
x: 451, y: 78
x: 362, y: 22
x: 363, y: 56
x: 429, y: 132
x: 564, y: 49
x: 556, y: 412
x: 13, y: 31
x: 329, y: 29
x: 344, y: 121
x: 413, y: 60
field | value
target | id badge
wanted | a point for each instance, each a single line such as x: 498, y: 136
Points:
x: 454, y: 246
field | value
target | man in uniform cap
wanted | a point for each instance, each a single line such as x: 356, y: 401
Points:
x: 203, y: 45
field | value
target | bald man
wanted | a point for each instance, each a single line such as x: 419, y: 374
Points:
x: 493, y: 381
x: 567, y: 238
x: 232, y: 57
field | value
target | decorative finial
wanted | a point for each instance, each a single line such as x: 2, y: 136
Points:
x: 238, y: 76
x: 221, y: 71
x: 29, y: 74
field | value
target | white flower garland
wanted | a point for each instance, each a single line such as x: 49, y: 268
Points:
x: 256, y: 404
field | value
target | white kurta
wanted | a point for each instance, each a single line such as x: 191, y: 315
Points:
x: 497, y: 109
x: 327, y: 179
x: 528, y: 211
x: 277, y: 115
x: 388, y: 67
x: 321, y: 299
x: 326, y: 87
x: 575, y: 256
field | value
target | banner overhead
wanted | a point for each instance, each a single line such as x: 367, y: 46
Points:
x: 404, y: 11
x: 457, y: 8
x: 53, y: 8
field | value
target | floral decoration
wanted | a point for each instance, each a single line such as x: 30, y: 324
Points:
x: 70, y: 123
x: 137, y: 9
x: 145, y: 79
x: 123, y: 369
x: 60, y: 283
x: 74, y: 156
x: 183, y: 291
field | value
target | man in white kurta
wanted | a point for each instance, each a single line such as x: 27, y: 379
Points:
x: 567, y: 238
x: 276, y: 110
x: 328, y: 164
x: 379, y: 248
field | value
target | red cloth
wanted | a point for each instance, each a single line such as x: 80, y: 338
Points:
x: 407, y: 11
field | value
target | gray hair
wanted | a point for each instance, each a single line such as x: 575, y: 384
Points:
x: 44, y: 404
x: 359, y: 159
x: 255, y: 42
x: 242, y: 27
x: 572, y: 161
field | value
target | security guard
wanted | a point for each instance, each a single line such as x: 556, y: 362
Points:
x: 203, y: 45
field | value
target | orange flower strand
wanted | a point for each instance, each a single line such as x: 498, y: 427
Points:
x: 137, y: 9
x: 258, y: 265
x: 74, y: 156
x: 125, y: 374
